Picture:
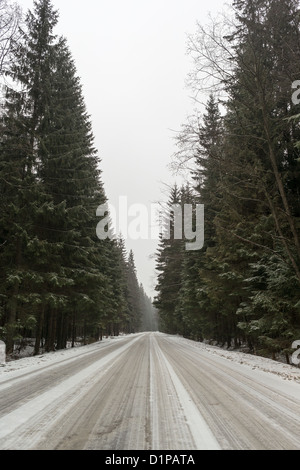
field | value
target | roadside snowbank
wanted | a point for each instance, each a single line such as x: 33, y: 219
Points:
x: 32, y: 363
x: 288, y: 372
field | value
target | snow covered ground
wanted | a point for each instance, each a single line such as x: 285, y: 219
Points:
x: 149, y: 391
x: 288, y: 372
x: 35, y: 362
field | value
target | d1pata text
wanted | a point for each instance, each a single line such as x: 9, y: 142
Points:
x: 180, y: 459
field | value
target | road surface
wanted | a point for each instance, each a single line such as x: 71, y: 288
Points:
x: 147, y: 392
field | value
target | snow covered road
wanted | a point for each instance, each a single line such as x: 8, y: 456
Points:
x: 149, y: 391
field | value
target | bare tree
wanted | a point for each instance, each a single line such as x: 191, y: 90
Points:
x: 213, y: 67
x: 10, y: 17
x: 226, y: 54
x: 213, y: 57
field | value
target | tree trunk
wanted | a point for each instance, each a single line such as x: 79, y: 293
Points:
x: 51, y: 331
x: 287, y: 358
x: 73, y: 329
x: 39, y: 332
x: 277, y: 175
x: 13, y: 305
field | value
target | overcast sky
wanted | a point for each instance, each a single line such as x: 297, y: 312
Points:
x: 131, y: 58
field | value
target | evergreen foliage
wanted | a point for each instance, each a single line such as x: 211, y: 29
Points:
x: 244, y: 286
x: 59, y: 282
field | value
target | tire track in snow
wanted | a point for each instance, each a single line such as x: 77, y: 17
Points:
x: 35, y: 417
x: 246, y: 409
x: 202, y: 435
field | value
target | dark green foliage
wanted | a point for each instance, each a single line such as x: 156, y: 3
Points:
x: 59, y: 282
x: 170, y: 259
x: 244, y: 286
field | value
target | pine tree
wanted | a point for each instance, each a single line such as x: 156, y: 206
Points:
x: 134, y: 300
x: 70, y: 175
x: 169, y: 264
x: 201, y: 297
x: 60, y: 270
x: 20, y: 188
x: 264, y: 159
x: 247, y: 176
x: 117, y: 310
x: 266, y: 70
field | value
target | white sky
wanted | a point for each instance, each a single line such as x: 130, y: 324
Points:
x: 131, y: 58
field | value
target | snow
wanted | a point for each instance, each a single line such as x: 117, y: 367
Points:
x: 34, y: 363
x: 201, y: 433
x: 152, y: 390
x: 286, y: 371
x: 23, y: 414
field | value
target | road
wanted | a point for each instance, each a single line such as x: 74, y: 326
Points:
x: 147, y: 392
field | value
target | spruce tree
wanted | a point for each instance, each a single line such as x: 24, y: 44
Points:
x: 134, y: 299
x: 261, y: 144
x: 50, y: 174
x: 24, y: 109
x: 247, y: 176
x: 169, y: 264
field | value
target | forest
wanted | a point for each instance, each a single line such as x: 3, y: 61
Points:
x: 241, y: 155
x: 239, y: 152
x: 59, y: 284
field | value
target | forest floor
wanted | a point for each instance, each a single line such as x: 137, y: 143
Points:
x: 149, y: 391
